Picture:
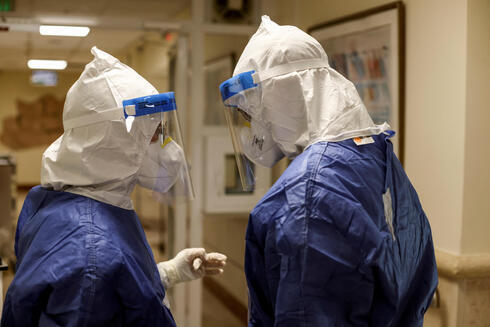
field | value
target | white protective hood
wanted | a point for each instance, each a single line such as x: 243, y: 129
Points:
x: 100, y: 160
x: 304, y: 106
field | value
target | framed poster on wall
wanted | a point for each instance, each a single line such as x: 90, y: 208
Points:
x: 368, y: 48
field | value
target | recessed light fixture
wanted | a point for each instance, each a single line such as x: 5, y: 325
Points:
x: 46, y: 64
x: 79, y: 31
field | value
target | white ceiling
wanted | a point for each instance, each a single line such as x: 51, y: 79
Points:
x: 114, y: 25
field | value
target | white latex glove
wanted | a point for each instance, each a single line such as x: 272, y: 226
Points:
x: 190, y: 264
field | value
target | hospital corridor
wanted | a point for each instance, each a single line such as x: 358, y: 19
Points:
x: 272, y: 163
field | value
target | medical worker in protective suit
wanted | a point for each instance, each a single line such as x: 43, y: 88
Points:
x: 341, y: 238
x: 83, y: 258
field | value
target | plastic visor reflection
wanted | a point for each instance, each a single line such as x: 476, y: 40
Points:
x: 233, y: 184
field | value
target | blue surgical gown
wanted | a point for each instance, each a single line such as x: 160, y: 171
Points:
x: 81, y: 262
x: 322, y: 248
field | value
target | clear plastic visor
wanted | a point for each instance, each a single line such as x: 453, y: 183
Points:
x: 164, y: 169
x: 240, y: 95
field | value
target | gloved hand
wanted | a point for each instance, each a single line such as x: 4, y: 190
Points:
x: 190, y: 264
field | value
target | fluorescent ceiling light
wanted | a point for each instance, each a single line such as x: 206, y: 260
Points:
x: 46, y: 64
x: 79, y: 31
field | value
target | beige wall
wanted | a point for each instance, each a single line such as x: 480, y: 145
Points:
x: 149, y: 58
x: 476, y: 207
x: 435, y: 107
x: 217, y: 46
x: 15, y: 85
x: 226, y: 234
x: 304, y: 14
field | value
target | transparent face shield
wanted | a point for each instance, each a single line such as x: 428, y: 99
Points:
x: 252, y: 140
x: 164, y: 169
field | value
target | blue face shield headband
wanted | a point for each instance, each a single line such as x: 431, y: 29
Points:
x: 247, y: 80
x: 236, y: 85
x: 152, y: 107
x: 151, y: 104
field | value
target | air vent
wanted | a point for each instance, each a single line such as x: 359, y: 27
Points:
x: 232, y: 11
